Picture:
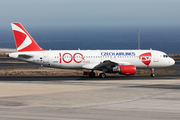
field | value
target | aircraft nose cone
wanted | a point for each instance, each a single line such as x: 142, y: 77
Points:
x: 172, y: 61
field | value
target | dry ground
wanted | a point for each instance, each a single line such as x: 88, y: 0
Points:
x: 60, y: 72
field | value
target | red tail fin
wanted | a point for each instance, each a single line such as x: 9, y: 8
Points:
x: 24, y: 42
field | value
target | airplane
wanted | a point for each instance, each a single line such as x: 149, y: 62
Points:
x: 124, y: 62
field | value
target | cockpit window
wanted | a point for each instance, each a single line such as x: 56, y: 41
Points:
x: 165, y: 56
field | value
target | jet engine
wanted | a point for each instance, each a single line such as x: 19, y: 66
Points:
x: 125, y: 69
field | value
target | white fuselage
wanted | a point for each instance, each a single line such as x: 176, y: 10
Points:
x: 88, y: 59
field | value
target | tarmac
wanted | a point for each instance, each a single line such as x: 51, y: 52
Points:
x: 84, y: 98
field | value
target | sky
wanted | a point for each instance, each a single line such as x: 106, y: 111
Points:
x: 83, y: 13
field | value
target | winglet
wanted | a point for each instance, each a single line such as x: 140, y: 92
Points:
x: 24, y: 42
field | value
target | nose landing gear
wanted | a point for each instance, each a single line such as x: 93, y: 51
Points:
x: 152, y: 72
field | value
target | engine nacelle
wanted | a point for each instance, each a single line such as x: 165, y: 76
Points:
x: 125, y: 69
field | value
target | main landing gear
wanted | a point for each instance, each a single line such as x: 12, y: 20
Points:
x: 92, y: 74
x: 101, y: 75
x: 152, y: 72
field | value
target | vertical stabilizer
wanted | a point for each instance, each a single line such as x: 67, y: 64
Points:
x: 24, y: 42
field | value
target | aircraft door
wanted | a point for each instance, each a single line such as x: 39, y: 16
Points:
x: 46, y: 58
x: 155, y: 57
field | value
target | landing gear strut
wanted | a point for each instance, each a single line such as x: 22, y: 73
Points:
x: 152, y: 72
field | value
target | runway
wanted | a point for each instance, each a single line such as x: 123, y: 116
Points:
x: 84, y: 98
x: 54, y: 99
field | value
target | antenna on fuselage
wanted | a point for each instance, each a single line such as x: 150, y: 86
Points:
x: 139, y: 39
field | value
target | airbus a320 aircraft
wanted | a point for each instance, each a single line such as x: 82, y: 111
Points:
x: 124, y: 62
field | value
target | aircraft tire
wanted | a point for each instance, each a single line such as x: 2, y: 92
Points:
x: 91, y: 74
x: 153, y: 75
x: 102, y: 75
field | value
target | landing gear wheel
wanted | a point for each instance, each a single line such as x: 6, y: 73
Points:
x: 102, y: 75
x: 91, y: 74
x: 153, y: 75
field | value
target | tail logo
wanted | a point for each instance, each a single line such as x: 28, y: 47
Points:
x: 23, y: 38
x: 24, y: 42
x: 146, y: 58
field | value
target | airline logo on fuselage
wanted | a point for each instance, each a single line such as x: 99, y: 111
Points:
x: 118, y: 53
x: 146, y: 58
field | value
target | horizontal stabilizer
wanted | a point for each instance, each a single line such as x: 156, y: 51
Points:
x: 25, y: 56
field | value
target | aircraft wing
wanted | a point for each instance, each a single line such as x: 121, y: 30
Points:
x: 108, y: 64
